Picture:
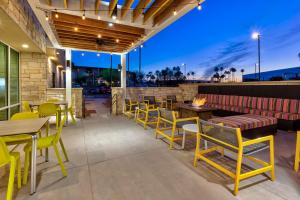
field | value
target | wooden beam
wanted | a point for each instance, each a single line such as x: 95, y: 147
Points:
x: 81, y: 4
x: 93, y: 23
x: 90, y: 36
x: 66, y: 3
x: 111, y: 7
x: 97, y: 6
x: 92, y: 47
x: 156, y: 6
x: 91, y: 43
x: 96, y: 31
x: 126, y: 6
x: 139, y: 9
x: 168, y: 12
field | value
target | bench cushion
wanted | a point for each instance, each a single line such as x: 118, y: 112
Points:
x: 246, y: 122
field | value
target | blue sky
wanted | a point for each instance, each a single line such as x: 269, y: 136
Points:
x: 220, y: 34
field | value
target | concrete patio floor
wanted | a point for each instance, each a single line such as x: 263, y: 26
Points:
x: 113, y: 158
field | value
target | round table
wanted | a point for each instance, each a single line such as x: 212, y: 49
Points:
x: 191, y: 128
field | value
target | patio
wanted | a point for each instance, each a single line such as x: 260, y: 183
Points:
x: 113, y: 158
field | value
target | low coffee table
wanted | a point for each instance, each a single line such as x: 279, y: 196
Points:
x: 191, y: 128
x: 203, y: 112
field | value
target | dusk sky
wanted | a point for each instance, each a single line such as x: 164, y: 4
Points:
x: 220, y: 34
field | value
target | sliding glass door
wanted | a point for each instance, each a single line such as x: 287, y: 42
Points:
x: 9, y: 82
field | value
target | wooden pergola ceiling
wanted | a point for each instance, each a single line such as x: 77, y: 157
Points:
x: 93, y: 34
x: 116, y: 38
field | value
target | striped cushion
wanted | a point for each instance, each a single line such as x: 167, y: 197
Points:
x: 286, y: 105
x: 294, y: 104
x: 262, y: 103
x: 268, y: 113
x: 271, y: 104
x: 220, y: 99
x: 287, y: 116
x: 255, y: 111
x: 245, y: 122
x: 227, y: 100
x: 279, y: 105
x: 253, y: 103
x: 249, y: 103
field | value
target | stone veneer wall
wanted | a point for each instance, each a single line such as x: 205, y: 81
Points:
x: 33, y: 76
x: 60, y: 93
x: 21, y: 12
x: 137, y: 93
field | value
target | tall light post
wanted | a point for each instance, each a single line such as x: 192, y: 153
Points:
x: 257, y: 36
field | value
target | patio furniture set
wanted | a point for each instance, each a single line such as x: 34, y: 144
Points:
x: 247, y: 132
x: 25, y: 128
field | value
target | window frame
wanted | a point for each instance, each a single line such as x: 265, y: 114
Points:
x: 9, y: 106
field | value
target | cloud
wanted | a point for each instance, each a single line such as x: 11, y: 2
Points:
x: 230, y: 55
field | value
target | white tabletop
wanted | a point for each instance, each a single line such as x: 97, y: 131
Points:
x: 191, y: 128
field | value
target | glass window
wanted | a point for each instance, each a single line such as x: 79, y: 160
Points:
x: 14, y: 77
x: 14, y: 110
x: 3, y: 115
x: 3, y: 75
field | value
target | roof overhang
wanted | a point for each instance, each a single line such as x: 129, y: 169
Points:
x: 133, y: 26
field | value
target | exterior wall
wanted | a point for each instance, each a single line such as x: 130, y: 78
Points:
x: 21, y: 12
x: 33, y: 75
x: 60, y: 93
x: 136, y: 93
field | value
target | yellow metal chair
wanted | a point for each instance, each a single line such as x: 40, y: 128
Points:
x: 169, y: 122
x: 53, y: 100
x: 70, y: 110
x: 130, y: 107
x: 146, y: 115
x: 26, y: 106
x: 12, y: 159
x: 151, y: 102
x: 232, y: 140
x: 50, y: 109
x: 297, y: 153
x: 43, y: 143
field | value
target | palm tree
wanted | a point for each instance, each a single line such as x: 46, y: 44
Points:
x: 233, y: 70
x: 242, y: 71
x: 157, y: 74
x: 193, y: 74
x: 188, y: 75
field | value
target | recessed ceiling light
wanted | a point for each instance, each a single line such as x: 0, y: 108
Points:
x: 25, y: 46
x: 75, y: 29
x: 57, y: 53
x: 99, y: 36
x: 99, y: 17
x: 110, y: 24
x: 114, y: 17
x: 117, y: 40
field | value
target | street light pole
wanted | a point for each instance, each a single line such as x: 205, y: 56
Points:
x: 257, y: 36
x: 258, y: 46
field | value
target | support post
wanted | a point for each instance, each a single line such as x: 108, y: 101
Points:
x: 123, y: 74
x: 68, y: 76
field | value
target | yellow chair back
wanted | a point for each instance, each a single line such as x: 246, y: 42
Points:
x: 47, y: 109
x: 58, y: 133
x: 26, y: 106
x: 24, y: 115
x: 4, y: 154
x: 53, y: 100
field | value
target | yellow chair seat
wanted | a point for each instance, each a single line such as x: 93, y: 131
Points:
x: 42, y: 143
x: 16, y: 139
x: 13, y: 160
